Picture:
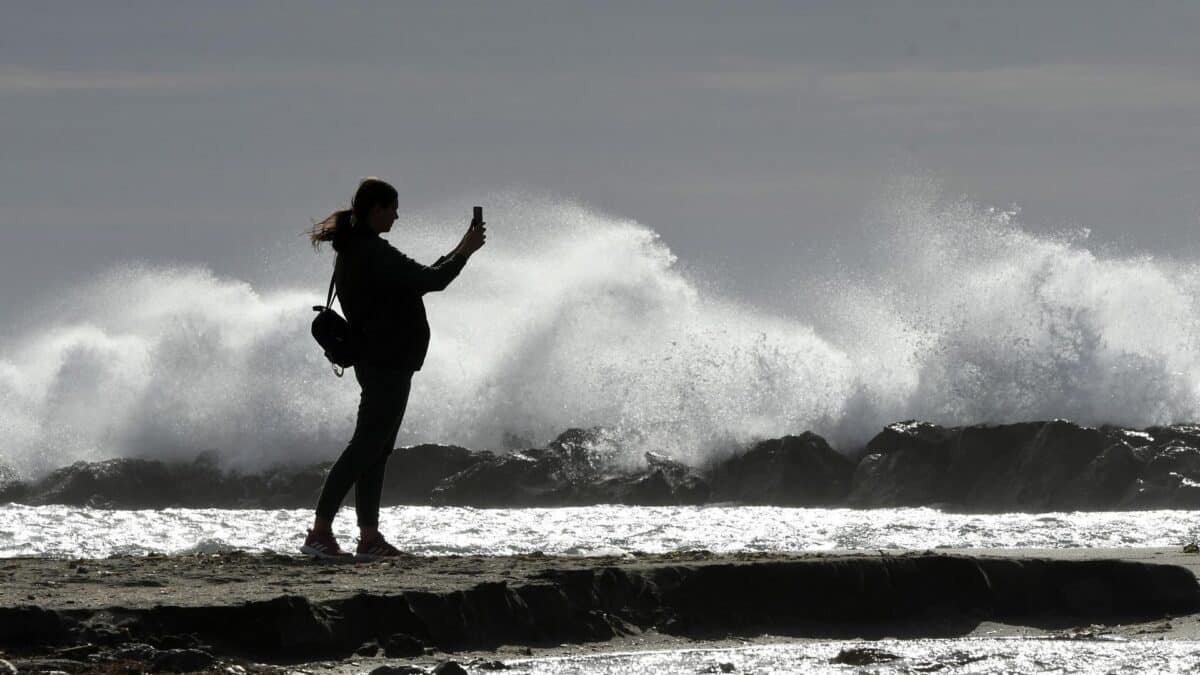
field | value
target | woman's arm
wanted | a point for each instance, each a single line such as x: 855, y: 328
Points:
x: 400, y: 272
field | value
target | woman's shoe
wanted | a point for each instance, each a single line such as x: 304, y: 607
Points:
x: 377, y: 548
x: 323, y: 545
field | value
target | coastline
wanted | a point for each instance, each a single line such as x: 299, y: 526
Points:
x: 248, y: 609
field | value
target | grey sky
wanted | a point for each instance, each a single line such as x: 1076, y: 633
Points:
x: 750, y: 135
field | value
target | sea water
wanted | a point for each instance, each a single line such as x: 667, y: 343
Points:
x: 75, y: 532
x: 949, y: 656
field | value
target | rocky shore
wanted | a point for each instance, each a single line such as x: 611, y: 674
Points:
x: 163, y: 613
x: 1032, y: 467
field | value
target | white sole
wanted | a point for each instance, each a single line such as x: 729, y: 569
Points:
x: 308, y: 550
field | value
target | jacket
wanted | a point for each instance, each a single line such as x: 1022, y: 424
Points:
x: 380, y: 291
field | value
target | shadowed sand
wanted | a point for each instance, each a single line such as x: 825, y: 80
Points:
x: 274, y: 608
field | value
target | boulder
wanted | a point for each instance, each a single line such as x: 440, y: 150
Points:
x: 413, y: 472
x: 126, y: 482
x: 791, y: 471
x: 1031, y: 466
x: 181, y: 661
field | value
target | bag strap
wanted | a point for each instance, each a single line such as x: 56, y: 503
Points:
x: 332, y: 293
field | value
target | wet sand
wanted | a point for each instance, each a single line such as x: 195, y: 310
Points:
x: 248, y: 609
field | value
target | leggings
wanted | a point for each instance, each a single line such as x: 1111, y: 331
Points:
x: 362, y: 463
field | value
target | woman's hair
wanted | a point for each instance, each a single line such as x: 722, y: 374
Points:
x: 339, y: 225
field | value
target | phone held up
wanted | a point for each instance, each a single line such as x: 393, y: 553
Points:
x: 477, y: 217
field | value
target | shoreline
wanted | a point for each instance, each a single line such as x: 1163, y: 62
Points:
x: 275, y: 609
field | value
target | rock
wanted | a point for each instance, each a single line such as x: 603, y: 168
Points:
x: 12, y: 488
x: 449, y: 668
x: 283, y: 487
x: 7, y: 668
x: 791, y: 471
x: 413, y: 472
x: 50, y: 666
x: 1106, y: 481
x: 569, y: 471
x: 135, y: 651
x: 515, y: 479
x: 580, y: 467
x: 145, y: 484
x: 402, y: 645
x: 483, y: 664
x: 398, y: 670
x: 1031, y: 466
x: 367, y: 649
x: 181, y: 661
x: 863, y: 656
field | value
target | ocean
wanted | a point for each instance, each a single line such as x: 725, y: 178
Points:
x: 576, y: 318
x: 75, y: 532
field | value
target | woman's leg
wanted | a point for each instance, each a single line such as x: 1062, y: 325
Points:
x: 374, y: 433
x: 368, y: 490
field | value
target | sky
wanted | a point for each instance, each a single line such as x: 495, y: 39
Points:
x: 751, y: 136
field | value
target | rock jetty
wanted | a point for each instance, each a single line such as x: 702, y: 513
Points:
x: 1032, y: 466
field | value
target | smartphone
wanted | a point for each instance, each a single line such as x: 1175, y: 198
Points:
x: 477, y: 218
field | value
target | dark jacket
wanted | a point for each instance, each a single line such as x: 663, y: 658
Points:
x: 380, y: 291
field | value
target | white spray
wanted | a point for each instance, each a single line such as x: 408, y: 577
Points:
x: 571, y: 318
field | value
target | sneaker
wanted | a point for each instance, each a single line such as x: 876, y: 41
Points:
x: 377, y: 548
x: 321, y: 545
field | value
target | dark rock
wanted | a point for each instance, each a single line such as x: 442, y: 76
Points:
x: 449, y: 668
x: 398, y: 670
x: 791, y: 471
x: 515, y: 479
x: 1106, y: 481
x: 483, y: 664
x: 12, y: 488
x: 1032, y: 466
x: 367, y: 649
x: 283, y: 487
x: 146, y: 483
x: 413, y: 472
x: 50, y: 666
x: 579, y: 467
x: 181, y: 661
x: 863, y: 656
x: 402, y: 645
x: 136, y: 651
x: 77, y: 652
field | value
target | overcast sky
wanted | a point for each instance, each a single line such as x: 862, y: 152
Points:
x: 750, y: 135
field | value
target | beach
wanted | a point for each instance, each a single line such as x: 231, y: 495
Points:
x: 270, y: 611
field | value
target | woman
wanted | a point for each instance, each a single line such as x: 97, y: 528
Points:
x: 380, y: 291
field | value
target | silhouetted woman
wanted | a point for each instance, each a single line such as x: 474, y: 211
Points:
x: 380, y: 291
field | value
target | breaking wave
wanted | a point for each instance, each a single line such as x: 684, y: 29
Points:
x: 574, y: 318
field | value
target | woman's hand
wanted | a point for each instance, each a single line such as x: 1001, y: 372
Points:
x: 474, y: 239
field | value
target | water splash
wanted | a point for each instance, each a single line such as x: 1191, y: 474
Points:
x: 575, y: 318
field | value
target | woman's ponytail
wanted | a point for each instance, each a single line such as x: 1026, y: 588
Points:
x: 339, y: 225
x: 334, y: 229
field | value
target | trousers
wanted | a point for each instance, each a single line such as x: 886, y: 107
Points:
x: 380, y: 411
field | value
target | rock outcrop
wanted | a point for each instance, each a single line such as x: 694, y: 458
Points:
x: 790, y: 471
x: 1033, y: 466
x: 1030, y: 466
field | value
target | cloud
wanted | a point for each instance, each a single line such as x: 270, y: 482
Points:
x: 1047, y: 88
x: 16, y: 79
